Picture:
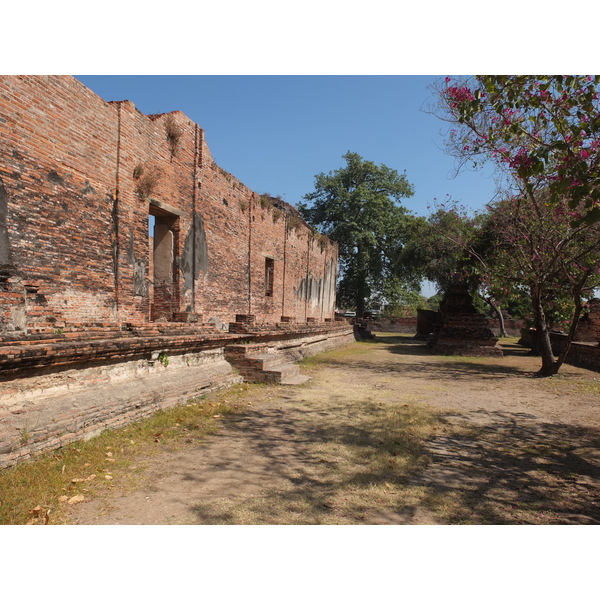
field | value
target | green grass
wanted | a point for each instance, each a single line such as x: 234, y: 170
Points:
x: 341, y: 354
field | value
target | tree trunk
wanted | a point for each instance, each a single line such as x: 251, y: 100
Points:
x: 499, y: 314
x: 360, y: 303
x: 361, y: 283
x: 549, y: 366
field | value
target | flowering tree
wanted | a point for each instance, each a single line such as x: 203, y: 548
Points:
x: 543, y: 131
x: 521, y: 246
x: 531, y: 245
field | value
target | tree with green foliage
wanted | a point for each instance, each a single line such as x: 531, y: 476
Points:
x: 404, y: 303
x: 440, y: 251
x: 530, y: 244
x: 524, y: 246
x: 358, y: 207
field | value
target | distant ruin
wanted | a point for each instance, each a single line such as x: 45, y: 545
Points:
x: 461, y: 330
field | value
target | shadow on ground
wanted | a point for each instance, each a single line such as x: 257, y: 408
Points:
x: 439, y: 367
x: 516, y: 470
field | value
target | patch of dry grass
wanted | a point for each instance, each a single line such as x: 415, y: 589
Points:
x: 357, y: 458
x: 39, y: 491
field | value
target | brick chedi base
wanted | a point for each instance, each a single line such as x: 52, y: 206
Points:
x: 463, y: 331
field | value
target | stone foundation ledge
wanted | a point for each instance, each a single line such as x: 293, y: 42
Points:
x: 294, y: 348
x: 58, y: 402
x: 15, y: 359
x: 18, y: 354
x: 47, y: 412
x: 293, y: 328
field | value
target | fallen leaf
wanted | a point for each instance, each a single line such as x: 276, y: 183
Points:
x: 109, y: 454
x: 77, y: 480
x: 37, y: 511
x: 92, y: 476
x: 76, y: 499
x: 110, y: 459
x: 109, y: 477
x: 63, y: 498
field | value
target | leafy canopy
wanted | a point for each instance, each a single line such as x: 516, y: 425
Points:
x: 526, y: 246
x: 357, y: 206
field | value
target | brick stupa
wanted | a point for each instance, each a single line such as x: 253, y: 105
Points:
x: 463, y: 331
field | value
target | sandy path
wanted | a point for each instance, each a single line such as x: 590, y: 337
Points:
x: 504, y: 448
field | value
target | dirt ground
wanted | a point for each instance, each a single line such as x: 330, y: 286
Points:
x: 386, y: 433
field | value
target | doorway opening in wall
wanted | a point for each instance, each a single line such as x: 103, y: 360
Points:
x: 163, y: 232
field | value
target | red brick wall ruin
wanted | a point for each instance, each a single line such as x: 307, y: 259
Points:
x: 79, y: 178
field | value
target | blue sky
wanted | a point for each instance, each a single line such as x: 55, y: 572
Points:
x: 275, y: 133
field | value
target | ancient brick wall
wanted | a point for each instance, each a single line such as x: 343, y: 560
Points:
x: 79, y: 178
x: 224, y: 219
x: 393, y: 324
x: 58, y: 151
x: 268, y: 264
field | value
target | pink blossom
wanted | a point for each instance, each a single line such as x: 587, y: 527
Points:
x: 457, y: 95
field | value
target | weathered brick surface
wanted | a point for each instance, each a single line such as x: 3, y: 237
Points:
x: 588, y: 328
x: 581, y: 354
x: 57, y: 168
x: 78, y: 179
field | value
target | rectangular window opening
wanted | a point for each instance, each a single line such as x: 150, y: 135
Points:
x: 269, y: 273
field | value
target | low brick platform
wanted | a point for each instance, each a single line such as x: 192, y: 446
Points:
x: 581, y: 354
x: 272, y: 361
x: 91, y: 344
x: 72, y: 384
x: 46, y: 412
